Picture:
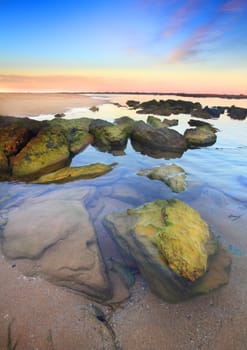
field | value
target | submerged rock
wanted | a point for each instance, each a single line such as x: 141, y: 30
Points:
x: 75, y: 173
x: 164, y: 140
x: 172, y: 247
x: 53, y: 238
x: 172, y: 175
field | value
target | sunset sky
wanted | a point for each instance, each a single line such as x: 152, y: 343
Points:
x: 130, y: 45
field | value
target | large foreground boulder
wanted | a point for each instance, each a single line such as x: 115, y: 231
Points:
x: 54, y: 238
x: 172, y: 247
x: 164, y: 140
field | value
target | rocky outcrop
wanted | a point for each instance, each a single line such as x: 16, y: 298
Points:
x: 162, y: 140
x: 53, y: 238
x: 172, y: 247
x: 157, y: 123
x: 166, y: 107
x: 75, y: 173
x: 30, y: 148
x: 195, y: 122
x: 200, y: 136
x: 172, y: 175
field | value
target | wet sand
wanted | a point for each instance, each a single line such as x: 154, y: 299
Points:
x: 30, y: 104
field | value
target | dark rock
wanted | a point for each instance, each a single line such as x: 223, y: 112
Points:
x: 59, y: 115
x: 132, y: 104
x: 194, y: 122
x: 162, y: 140
x: 237, y: 112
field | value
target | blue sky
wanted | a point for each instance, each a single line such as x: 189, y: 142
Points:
x: 160, y: 45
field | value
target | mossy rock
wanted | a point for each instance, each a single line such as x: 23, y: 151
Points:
x: 172, y: 175
x: 107, y: 136
x: 172, y: 247
x: 157, y: 123
x: 200, y: 136
x: 75, y: 173
x: 47, y: 151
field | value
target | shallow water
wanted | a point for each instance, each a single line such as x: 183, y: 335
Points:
x: 216, y: 176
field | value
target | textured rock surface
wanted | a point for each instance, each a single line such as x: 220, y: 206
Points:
x: 157, y: 123
x: 75, y: 173
x: 54, y: 238
x: 107, y: 136
x: 200, y: 136
x: 47, y: 151
x: 173, y: 175
x: 158, y: 139
x: 170, y: 244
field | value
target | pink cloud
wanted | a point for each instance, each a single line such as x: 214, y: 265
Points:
x: 191, y: 46
x: 180, y: 17
x: 233, y: 6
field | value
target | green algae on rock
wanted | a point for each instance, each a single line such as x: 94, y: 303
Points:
x: 200, y: 136
x: 172, y: 247
x: 172, y: 175
x: 47, y: 151
x: 157, y: 123
x: 75, y: 173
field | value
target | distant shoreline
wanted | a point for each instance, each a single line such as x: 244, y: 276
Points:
x: 182, y: 94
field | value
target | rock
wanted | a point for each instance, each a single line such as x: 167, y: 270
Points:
x: 15, y: 134
x: 157, y: 123
x: 173, y: 175
x: 75, y: 173
x: 201, y: 136
x: 107, y: 136
x: 94, y: 109
x: 59, y: 115
x: 47, y: 151
x: 167, y: 107
x: 194, y: 122
x: 206, y: 112
x: 172, y: 247
x: 132, y: 104
x: 164, y: 140
x: 125, y: 123
x: 76, y: 132
x: 237, y: 112
x: 53, y: 238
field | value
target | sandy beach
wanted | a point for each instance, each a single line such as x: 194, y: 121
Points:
x: 30, y: 104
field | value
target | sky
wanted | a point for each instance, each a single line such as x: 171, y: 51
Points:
x: 132, y: 45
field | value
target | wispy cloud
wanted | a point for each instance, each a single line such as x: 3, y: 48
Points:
x: 233, y: 6
x: 191, y: 47
x: 180, y: 17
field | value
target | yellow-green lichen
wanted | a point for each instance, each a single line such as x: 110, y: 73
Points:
x: 178, y: 232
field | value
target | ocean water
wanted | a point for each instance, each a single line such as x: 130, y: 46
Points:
x: 216, y: 177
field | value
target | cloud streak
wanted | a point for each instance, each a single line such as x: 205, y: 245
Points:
x: 233, y: 6
x: 181, y: 16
